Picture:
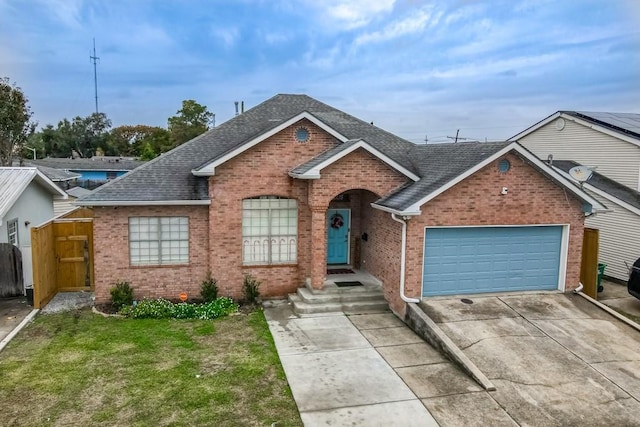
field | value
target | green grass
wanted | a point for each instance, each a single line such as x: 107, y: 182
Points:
x: 79, y: 368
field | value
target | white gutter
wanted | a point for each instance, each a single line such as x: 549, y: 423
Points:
x: 403, y: 259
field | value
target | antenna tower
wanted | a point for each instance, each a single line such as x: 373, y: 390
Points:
x: 94, y: 60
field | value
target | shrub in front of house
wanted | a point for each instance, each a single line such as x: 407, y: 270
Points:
x: 161, y: 308
x: 251, y: 289
x: 209, y: 288
x: 121, y: 295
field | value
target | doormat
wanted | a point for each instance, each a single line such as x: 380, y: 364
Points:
x: 347, y: 284
x: 340, y: 271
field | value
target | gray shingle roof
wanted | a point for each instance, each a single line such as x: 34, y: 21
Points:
x: 307, y: 166
x: 169, y: 176
x: 95, y: 163
x: 625, y: 123
x: 56, y: 175
x: 438, y: 164
x: 601, y: 182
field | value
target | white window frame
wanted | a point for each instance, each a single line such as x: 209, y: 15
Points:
x: 269, y: 231
x: 13, y: 236
x: 158, y: 240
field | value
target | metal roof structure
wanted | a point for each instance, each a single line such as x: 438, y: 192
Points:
x: 627, y: 123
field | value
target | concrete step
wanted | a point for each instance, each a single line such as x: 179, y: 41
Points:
x: 318, y: 298
x: 375, y: 303
x: 301, y: 307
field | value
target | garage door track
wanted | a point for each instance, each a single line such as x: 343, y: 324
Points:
x: 555, y: 359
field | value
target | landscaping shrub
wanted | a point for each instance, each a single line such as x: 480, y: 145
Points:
x: 162, y: 309
x: 251, y: 289
x: 209, y: 288
x: 121, y: 295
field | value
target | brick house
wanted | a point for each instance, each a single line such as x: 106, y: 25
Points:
x: 294, y: 186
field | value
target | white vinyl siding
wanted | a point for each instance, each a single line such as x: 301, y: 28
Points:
x: 616, y: 159
x: 158, y: 240
x: 619, y: 238
x: 62, y: 206
x: 269, y: 230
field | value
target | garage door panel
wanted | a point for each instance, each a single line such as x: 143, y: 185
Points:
x: 491, y: 259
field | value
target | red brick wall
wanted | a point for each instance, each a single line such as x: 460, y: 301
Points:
x: 381, y: 251
x: 111, y: 248
x: 531, y: 199
x: 357, y: 170
x: 260, y: 171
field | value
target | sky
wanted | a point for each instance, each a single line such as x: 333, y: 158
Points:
x: 419, y: 69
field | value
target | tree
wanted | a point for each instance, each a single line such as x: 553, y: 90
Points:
x: 83, y: 136
x: 139, y: 141
x: 15, y: 121
x: 190, y: 121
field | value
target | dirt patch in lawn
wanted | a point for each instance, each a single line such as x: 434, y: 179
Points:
x: 85, y: 369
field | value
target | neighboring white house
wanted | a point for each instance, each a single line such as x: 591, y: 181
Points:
x: 26, y: 200
x: 62, y: 206
x: 609, y: 143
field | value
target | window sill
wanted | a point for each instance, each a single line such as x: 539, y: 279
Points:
x: 159, y: 266
x: 268, y: 265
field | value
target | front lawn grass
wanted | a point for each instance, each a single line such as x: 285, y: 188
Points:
x: 79, y: 368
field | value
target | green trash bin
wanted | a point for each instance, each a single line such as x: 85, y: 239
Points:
x: 601, y: 267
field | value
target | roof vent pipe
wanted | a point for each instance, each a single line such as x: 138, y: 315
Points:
x: 236, y: 102
x: 242, y: 107
x: 403, y: 259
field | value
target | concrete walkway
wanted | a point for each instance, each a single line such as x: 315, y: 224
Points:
x: 336, y: 374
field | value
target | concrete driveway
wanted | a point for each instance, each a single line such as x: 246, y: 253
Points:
x: 555, y: 359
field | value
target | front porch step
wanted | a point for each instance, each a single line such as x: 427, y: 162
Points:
x: 369, y: 294
x: 307, y: 302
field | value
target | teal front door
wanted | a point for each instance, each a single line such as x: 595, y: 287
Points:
x: 338, y: 236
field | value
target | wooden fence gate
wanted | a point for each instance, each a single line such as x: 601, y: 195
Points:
x: 62, y: 255
x: 11, y: 279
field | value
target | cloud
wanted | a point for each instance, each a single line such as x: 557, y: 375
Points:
x: 227, y: 36
x: 274, y: 37
x: 351, y: 14
x: 415, y: 23
x: 68, y: 12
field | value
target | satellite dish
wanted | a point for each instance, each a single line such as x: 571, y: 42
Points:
x: 580, y: 173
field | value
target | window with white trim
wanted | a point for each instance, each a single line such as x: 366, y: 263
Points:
x: 12, y: 231
x: 269, y: 230
x: 158, y: 240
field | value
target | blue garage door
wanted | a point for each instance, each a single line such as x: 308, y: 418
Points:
x: 491, y: 259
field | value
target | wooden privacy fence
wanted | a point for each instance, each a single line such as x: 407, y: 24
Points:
x: 62, y: 252
x: 10, y: 271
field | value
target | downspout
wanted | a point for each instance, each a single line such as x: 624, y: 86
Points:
x: 579, y: 288
x: 403, y: 259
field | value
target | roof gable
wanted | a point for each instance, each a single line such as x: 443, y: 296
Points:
x: 15, y: 180
x: 210, y: 168
x: 168, y: 179
x: 409, y: 199
x: 624, y: 126
x: 312, y: 168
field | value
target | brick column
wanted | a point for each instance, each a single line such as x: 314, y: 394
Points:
x: 318, y: 246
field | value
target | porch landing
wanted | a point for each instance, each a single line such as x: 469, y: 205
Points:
x: 367, y: 298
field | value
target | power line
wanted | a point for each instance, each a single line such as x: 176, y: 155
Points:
x: 94, y: 59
